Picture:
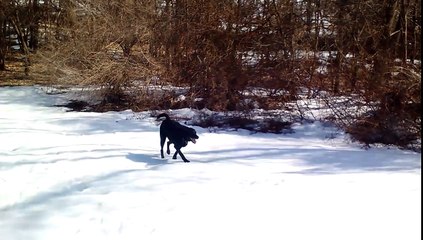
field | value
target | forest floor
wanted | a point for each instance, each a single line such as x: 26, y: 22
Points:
x: 15, y: 74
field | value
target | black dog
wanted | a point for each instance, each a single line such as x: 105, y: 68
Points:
x: 177, y: 134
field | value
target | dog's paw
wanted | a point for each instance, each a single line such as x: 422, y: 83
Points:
x: 168, y: 152
x: 187, y: 161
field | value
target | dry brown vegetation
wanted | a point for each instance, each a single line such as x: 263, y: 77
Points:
x: 220, y: 52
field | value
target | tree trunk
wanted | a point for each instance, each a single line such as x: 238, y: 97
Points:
x: 23, y: 44
x: 2, y: 45
x: 34, y: 27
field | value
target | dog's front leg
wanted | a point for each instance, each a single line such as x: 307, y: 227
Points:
x: 178, y: 150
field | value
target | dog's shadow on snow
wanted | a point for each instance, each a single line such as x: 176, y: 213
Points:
x: 150, y: 160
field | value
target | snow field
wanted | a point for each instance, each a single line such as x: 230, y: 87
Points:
x: 79, y: 175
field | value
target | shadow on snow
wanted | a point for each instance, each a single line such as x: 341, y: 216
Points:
x: 319, y: 160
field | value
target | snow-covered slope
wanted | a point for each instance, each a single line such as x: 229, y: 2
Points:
x: 79, y: 175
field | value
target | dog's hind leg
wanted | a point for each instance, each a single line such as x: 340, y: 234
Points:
x: 162, y: 142
x: 168, y: 144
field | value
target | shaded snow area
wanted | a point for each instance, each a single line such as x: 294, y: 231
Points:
x: 83, y: 175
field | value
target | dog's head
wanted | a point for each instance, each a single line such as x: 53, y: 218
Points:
x: 192, y: 136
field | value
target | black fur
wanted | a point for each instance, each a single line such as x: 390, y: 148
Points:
x: 177, y: 134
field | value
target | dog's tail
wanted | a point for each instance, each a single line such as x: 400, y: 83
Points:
x: 163, y: 115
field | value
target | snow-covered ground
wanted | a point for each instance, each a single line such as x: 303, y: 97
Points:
x: 81, y: 175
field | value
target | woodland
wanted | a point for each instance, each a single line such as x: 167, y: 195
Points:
x: 362, y: 58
